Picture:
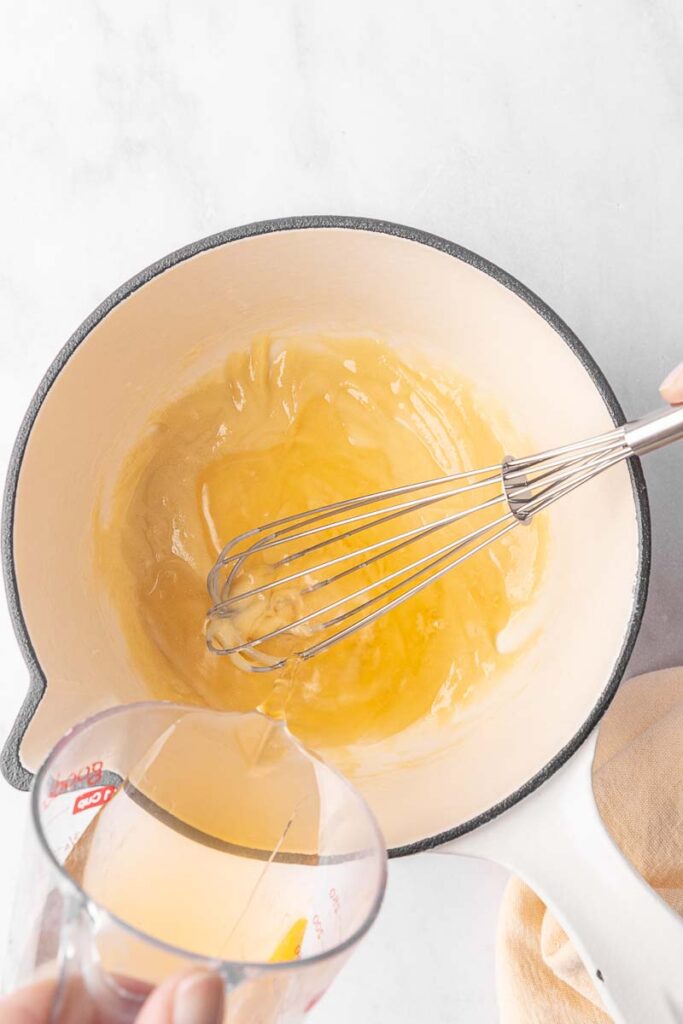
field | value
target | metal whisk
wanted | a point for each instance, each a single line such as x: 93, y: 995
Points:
x: 294, y: 587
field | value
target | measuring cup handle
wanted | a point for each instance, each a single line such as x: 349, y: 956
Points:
x: 83, y: 986
x: 630, y: 940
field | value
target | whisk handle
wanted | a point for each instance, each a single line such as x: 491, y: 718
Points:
x: 654, y: 431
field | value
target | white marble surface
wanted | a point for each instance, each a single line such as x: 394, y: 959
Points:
x: 546, y: 136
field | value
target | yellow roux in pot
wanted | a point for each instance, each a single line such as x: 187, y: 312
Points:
x: 290, y: 424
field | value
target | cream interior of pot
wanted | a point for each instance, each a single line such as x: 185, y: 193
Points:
x: 170, y: 332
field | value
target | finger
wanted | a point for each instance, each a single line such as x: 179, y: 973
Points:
x: 196, y: 998
x: 672, y: 388
x: 77, y: 1004
x: 30, y: 1005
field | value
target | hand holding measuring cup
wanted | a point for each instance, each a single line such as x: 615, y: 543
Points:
x: 195, y: 998
x: 188, y: 866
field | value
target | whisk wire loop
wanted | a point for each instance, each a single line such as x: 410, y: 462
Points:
x: 366, y: 580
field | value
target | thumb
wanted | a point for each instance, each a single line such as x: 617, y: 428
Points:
x: 29, y: 1006
x: 196, y: 998
x: 672, y: 388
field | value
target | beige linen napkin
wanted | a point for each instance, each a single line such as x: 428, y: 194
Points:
x: 638, y: 784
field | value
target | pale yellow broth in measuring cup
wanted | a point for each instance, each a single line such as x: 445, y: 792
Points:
x: 289, y: 424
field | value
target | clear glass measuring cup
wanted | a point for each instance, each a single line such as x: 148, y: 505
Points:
x: 166, y: 838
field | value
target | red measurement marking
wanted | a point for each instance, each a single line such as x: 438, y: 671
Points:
x: 314, y: 1001
x: 318, y: 925
x: 94, y: 798
x: 88, y: 775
